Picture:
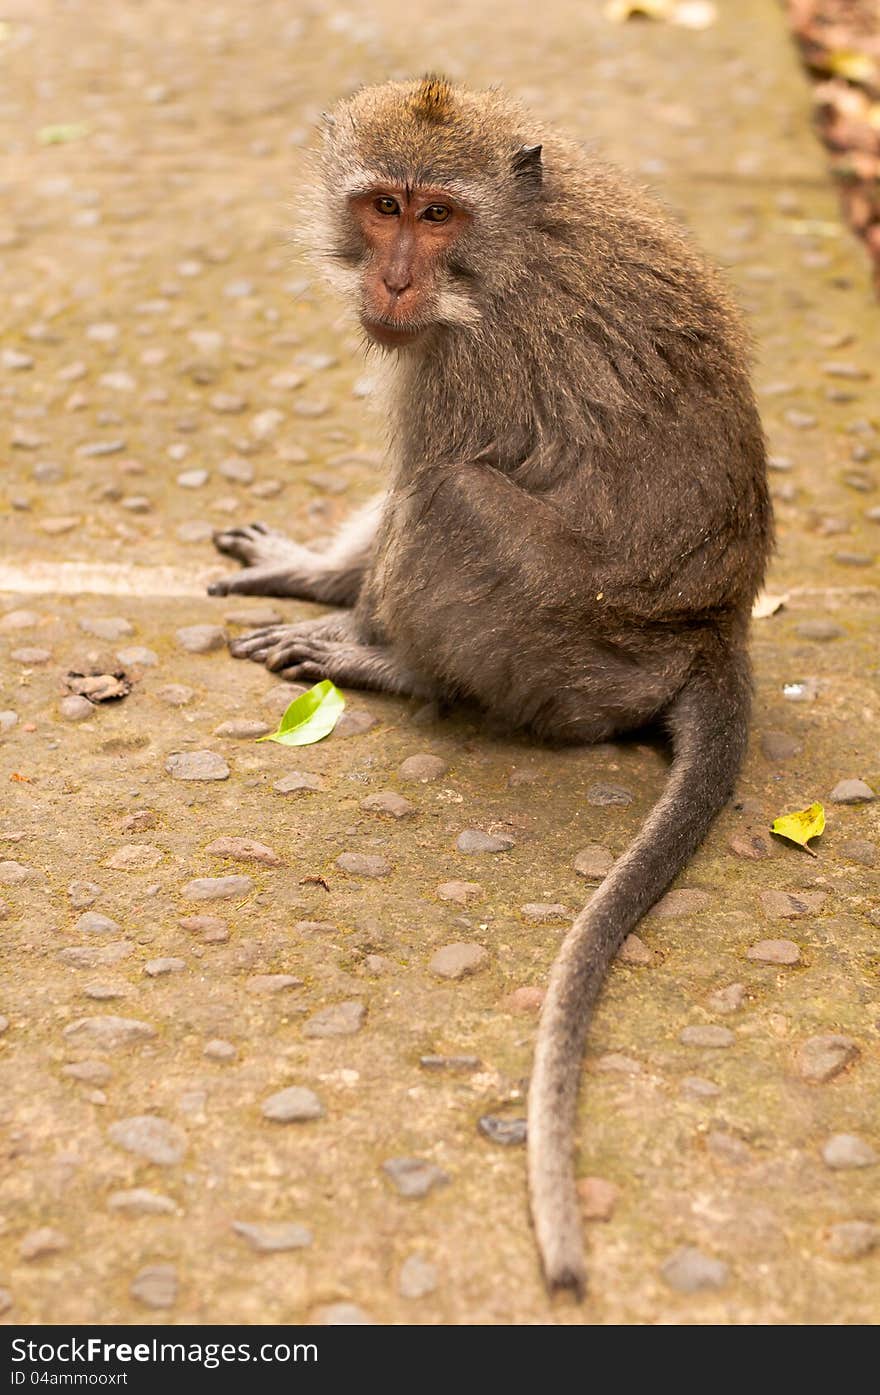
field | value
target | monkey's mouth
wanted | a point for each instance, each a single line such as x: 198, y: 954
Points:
x: 390, y: 335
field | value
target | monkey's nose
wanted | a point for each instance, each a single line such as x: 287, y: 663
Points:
x: 396, y: 284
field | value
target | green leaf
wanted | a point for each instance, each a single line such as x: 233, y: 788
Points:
x: 801, y: 826
x: 310, y: 717
x: 61, y: 135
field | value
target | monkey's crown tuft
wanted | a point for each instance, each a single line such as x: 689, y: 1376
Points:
x: 433, y: 98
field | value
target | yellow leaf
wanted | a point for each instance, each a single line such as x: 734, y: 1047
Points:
x: 801, y: 826
x: 619, y: 11
x: 855, y: 67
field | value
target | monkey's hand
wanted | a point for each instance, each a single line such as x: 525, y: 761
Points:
x: 326, y: 648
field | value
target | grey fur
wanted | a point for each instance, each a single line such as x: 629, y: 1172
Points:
x: 576, y: 524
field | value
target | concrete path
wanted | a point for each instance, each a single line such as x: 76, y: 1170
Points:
x: 207, y: 1106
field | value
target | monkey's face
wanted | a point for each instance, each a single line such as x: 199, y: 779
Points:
x: 408, y: 235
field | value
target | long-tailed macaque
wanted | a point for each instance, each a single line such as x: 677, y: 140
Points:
x: 576, y: 521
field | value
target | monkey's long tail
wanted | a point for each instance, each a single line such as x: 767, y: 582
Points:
x: 708, y: 723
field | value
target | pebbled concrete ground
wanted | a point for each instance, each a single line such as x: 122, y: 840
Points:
x: 167, y: 366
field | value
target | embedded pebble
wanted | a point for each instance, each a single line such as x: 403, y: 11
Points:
x: 294, y: 1104
x: 459, y: 960
x: 527, y: 1000
x: 615, y: 1062
x: 598, y: 1198
x: 778, y: 745
x: 111, y: 628
x: 93, y: 923
x: 151, y: 1138
x: 715, y: 1037
x: 298, y: 781
x: 852, y: 792
x: 177, y: 695
x: 45, y: 1241
x: 786, y: 905
x: 681, y: 901
x: 158, y: 968
x: 821, y: 630
x: 76, y: 708
x: 363, y: 864
x: 752, y: 846
x: 462, y: 1063
x: 83, y: 894
x: 9, y: 719
x: 594, y: 862
x: 337, y: 1020
x: 138, y: 822
x: 853, y: 1239
x: 109, y: 1033
x: 155, y: 1286
x: 244, y: 850
x: 417, y: 1278
x: 135, y: 857
x: 546, y: 913
x: 462, y: 893
x: 19, y: 620
x: 354, y: 722
x: 388, y: 802
x: 219, y: 1050
x: 193, y: 479
x: 699, y: 1087
x: 201, y: 639
x: 847, y: 1150
x: 775, y: 952
x: 861, y: 851
x: 273, y: 1237
x: 474, y: 840
x: 729, y: 999
x: 635, y: 951
x: 423, y: 768
x: 90, y: 1072
x: 31, y: 657
x: 210, y: 928
x: 197, y: 765
x: 15, y: 873
x: 136, y: 654
x: 688, y: 1270
x: 823, y: 1057
x: 414, y: 1177
x: 728, y: 1148
x: 272, y: 983
x: 243, y: 729
x: 140, y: 1201
x: 95, y: 957
x: 604, y: 795
x: 508, y: 1132
x: 216, y: 888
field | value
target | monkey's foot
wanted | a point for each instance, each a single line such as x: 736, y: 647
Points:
x: 325, y: 648
x: 273, y: 564
x: 257, y: 545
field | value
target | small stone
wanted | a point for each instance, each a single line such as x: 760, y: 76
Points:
x: 243, y: 850
x: 820, y: 630
x: 158, y: 968
x: 752, y: 846
x: 216, y: 888
x: 39, y: 1243
x: 337, y: 1020
x: 363, y: 864
x: 93, y: 923
x: 787, y: 905
x: 821, y: 1058
x: 388, y: 802
x: 8, y: 719
x: 729, y: 999
x: 155, y: 1286
x: 423, y: 768
x: 507, y: 1132
x: 852, y: 792
x: 176, y: 695
x: 354, y: 722
x: 139, y: 821
x: 635, y: 951
x: 95, y: 956
x: 688, y: 1270
x: 545, y: 913
x: 197, y: 765
x: 201, y: 639
x: 272, y: 983
x: 775, y: 952
x: 227, y: 403
x: 89, y: 1072
x: 853, y: 1239
x: 598, y: 1198
x: 462, y: 893
x: 15, y: 873
x: 451, y: 1063
x: 210, y: 928
x: 708, y: 1036
x: 728, y: 1148
x: 682, y: 901
x: 109, y: 1033
x: 219, y: 1050
x: 778, y: 745
x: 31, y: 657
x: 151, y: 1138
x: 140, y: 1201
x: 297, y: 782
x: 474, y: 840
x: 76, y: 708
x: 193, y: 479
x: 19, y: 620
x: 273, y: 1237
x: 135, y: 857
x: 861, y: 851
x: 527, y: 1000
x: 243, y: 730
x: 604, y: 795
x: 846, y: 1150
x: 111, y: 628
x: 414, y: 1177
x: 459, y: 960
x: 83, y: 894
x: 295, y: 1104
x: 594, y: 862
x: 417, y: 1278
x: 616, y: 1063
x: 700, y: 1088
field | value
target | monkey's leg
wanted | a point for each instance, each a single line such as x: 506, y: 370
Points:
x: 328, y: 648
x: 275, y: 565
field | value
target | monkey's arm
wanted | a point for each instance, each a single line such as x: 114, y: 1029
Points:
x: 274, y: 565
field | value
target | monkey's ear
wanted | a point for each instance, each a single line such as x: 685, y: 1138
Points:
x: 527, y: 167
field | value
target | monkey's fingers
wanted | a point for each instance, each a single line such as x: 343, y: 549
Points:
x: 241, y: 543
x: 256, y: 644
x: 296, y: 649
x: 253, y: 581
x: 299, y: 672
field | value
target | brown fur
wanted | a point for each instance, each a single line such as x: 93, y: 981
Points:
x: 577, y: 518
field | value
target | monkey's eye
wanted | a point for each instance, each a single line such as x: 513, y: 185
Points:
x: 436, y: 213
x: 386, y: 205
